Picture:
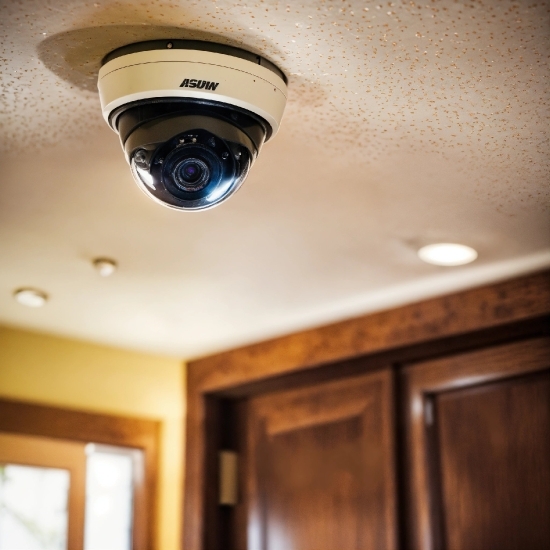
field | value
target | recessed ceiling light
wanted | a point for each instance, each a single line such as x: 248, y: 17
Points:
x: 105, y: 266
x: 448, y: 254
x: 30, y: 297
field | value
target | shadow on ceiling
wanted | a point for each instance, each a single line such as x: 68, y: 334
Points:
x: 75, y: 56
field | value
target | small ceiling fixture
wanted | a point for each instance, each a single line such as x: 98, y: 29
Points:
x: 447, y: 254
x: 30, y: 297
x: 105, y: 266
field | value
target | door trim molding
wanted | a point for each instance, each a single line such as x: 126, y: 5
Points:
x: 450, y: 315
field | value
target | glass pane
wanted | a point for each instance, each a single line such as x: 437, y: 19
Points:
x: 33, y: 508
x: 109, y: 495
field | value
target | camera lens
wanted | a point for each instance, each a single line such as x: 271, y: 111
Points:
x: 193, y: 169
x: 191, y: 174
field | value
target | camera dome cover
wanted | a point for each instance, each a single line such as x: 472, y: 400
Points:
x: 192, y: 116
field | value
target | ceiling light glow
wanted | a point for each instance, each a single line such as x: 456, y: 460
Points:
x: 447, y: 254
x: 105, y: 266
x: 30, y: 297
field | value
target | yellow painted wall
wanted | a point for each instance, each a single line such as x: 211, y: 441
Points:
x: 68, y: 373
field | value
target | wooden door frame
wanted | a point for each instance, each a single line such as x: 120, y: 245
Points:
x: 24, y: 418
x: 474, y: 318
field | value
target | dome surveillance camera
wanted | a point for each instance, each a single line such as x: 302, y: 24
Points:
x: 192, y: 116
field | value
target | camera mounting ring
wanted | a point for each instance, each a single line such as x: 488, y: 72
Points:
x: 192, y: 69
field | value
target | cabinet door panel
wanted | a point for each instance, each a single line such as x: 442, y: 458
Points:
x: 495, y: 454
x: 320, y: 467
x: 478, y: 449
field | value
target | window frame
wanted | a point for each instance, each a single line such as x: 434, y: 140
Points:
x: 20, y: 417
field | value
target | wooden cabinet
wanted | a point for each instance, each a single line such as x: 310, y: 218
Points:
x: 320, y: 466
x: 478, y: 449
x: 421, y: 428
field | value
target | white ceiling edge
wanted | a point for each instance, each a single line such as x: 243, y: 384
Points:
x: 448, y: 280
x: 454, y: 280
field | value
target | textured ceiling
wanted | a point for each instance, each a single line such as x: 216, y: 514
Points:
x: 407, y: 123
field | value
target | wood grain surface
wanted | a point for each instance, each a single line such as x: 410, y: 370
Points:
x: 434, y: 319
x: 320, y: 467
x: 477, y: 449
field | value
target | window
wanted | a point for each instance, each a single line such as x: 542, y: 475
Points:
x: 59, y: 491
x: 110, y: 477
x: 33, y: 507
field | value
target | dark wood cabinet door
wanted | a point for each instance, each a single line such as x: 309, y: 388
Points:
x: 319, y: 468
x: 478, y: 449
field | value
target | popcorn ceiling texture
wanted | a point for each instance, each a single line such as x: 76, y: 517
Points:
x: 407, y: 121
